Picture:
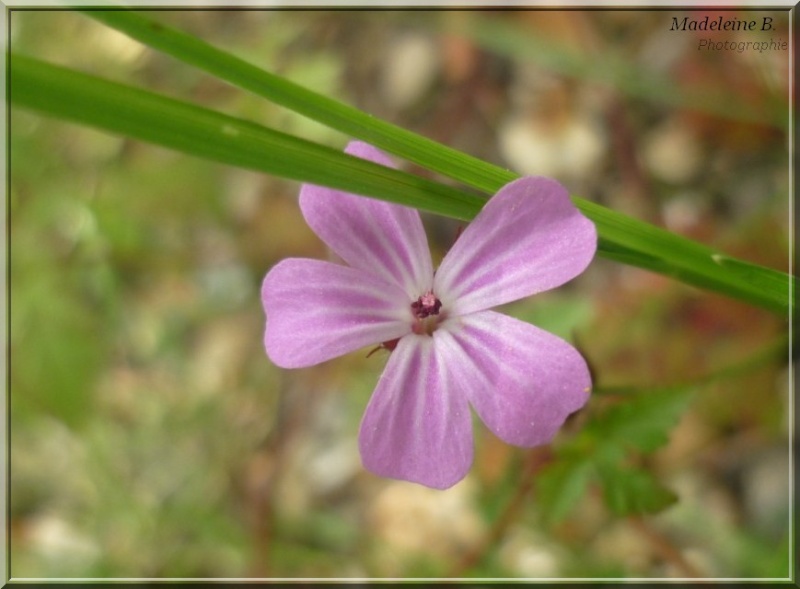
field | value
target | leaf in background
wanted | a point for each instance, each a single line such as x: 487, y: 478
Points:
x: 642, y: 422
x: 560, y: 486
x: 629, y: 491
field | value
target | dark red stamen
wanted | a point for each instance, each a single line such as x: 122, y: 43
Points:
x: 426, y: 305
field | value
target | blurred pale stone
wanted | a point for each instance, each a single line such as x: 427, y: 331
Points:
x: 535, y: 146
x: 528, y: 555
x: 412, y: 64
x: 334, y: 465
x: 682, y: 213
x: 552, y: 128
x: 672, y: 153
x: 61, y: 545
x: 619, y: 542
x: 411, y: 520
x: 219, y: 354
x: 322, y: 457
x: 767, y: 485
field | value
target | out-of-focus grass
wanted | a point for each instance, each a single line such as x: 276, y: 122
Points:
x: 151, y: 436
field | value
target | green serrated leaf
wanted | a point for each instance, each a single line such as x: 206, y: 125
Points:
x: 644, y: 422
x: 633, y: 491
x: 560, y: 486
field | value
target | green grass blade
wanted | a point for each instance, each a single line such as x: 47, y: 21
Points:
x: 632, y: 242
x: 351, y: 121
x: 201, y: 132
x: 642, y: 244
x: 198, y: 131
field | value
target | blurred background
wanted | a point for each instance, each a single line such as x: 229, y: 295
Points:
x: 150, y: 436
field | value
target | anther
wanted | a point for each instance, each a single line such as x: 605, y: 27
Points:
x: 426, y: 305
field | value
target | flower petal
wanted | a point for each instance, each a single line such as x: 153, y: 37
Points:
x: 375, y: 236
x: 417, y: 426
x: 528, y: 238
x: 318, y: 310
x: 522, y: 381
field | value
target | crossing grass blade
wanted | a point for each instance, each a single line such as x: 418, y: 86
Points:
x: 194, y: 130
x: 88, y: 100
x: 621, y: 238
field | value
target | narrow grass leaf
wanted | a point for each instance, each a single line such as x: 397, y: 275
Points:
x: 201, y: 132
x: 194, y: 130
x: 622, y: 238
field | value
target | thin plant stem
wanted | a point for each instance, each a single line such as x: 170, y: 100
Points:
x: 535, y: 459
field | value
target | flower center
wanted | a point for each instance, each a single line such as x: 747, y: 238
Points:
x: 425, y: 309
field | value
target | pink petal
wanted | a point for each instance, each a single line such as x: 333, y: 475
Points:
x: 528, y: 238
x: 384, y: 239
x: 417, y: 426
x: 318, y: 310
x: 522, y: 381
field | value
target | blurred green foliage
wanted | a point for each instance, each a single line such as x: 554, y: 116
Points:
x: 601, y: 451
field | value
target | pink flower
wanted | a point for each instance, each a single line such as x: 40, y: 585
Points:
x: 450, y: 351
